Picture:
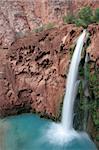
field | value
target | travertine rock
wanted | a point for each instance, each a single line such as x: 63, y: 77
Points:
x: 34, y: 72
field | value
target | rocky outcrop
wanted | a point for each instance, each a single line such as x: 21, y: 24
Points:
x: 19, y: 17
x: 34, y: 72
x: 93, y: 49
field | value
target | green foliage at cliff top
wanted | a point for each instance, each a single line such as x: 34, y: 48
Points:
x: 84, y: 17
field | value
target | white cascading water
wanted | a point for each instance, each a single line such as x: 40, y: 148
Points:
x: 72, y: 84
x: 64, y: 132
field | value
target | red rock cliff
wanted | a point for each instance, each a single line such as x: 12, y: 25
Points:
x: 19, y: 17
x: 33, y: 70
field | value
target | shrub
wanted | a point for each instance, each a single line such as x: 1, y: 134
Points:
x: 44, y: 27
x: 39, y: 29
x: 96, y: 15
x: 86, y: 14
x: 80, y: 22
x: 50, y: 25
x: 68, y: 19
x: 84, y: 17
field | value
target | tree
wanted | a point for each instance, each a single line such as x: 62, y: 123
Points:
x: 97, y: 15
x: 85, y: 17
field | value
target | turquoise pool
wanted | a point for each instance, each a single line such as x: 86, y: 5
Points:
x: 27, y: 132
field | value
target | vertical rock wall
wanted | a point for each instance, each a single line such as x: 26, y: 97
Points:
x: 19, y: 17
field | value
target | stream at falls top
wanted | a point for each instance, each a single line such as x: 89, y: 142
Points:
x: 29, y: 132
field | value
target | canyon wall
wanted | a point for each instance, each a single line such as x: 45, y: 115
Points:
x: 19, y: 17
x: 33, y: 70
x: 34, y: 66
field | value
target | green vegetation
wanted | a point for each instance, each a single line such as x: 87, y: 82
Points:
x: 97, y: 138
x: 93, y: 104
x: 94, y: 87
x: 39, y: 29
x: 71, y: 49
x: 49, y: 26
x: 44, y: 27
x: 96, y: 18
x: 69, y: 19
x: 94, y: 84
x: 83, y: 18
x: 89, y: 104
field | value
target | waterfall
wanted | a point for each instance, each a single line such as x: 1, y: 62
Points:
x: 63, y: 132
x: 72, y: 84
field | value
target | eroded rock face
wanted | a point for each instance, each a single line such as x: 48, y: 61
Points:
x: 19, y: 17
x: 93, y: 49
x: 34, y: 72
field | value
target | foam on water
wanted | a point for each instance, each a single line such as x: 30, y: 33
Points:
x: 64, y: 132
x: 56, y: 134
x: 29, y: 132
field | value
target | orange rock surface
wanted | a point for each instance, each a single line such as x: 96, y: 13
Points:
x: 33, y: 70
x: 19, y: 17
